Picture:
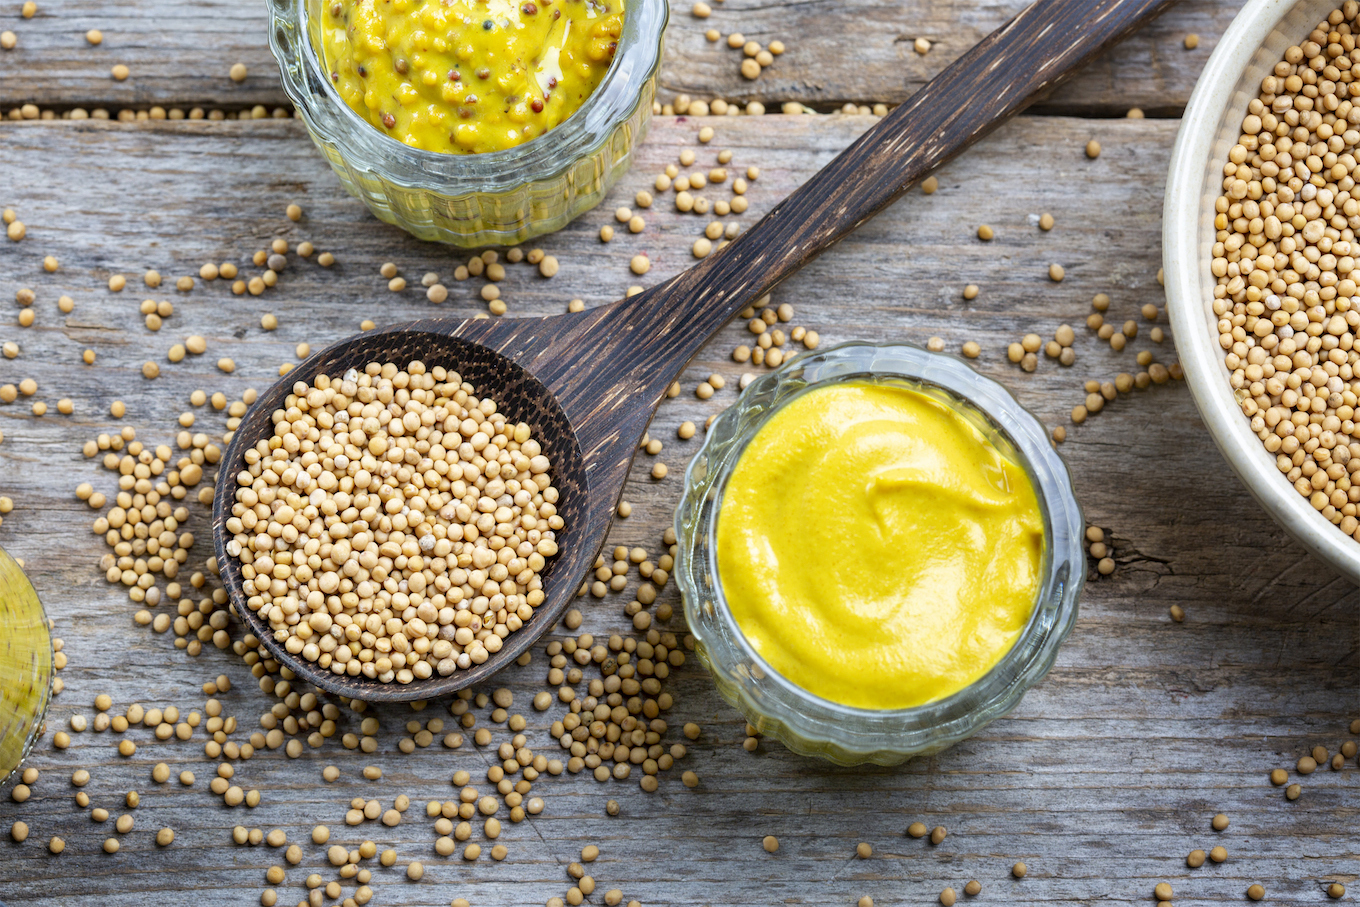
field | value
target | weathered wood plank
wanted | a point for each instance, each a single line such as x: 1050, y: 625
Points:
x: 1103, y: 779
x: 863, y: 51
x: 860, y: 51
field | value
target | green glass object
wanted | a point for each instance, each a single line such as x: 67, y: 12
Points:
x: 25, y: 665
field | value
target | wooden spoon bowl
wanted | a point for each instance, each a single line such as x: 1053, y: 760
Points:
x: 520, y: 396
x: 588, y: 383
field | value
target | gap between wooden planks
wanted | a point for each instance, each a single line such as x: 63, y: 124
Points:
x: 861, y: 51
x: 1101, y: 781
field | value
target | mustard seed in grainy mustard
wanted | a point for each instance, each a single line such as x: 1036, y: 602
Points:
x: 395, y: 524
x: 460, y: 76
x: 1284, y: 264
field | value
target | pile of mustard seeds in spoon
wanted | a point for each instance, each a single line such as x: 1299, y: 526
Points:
x: 395, y: 525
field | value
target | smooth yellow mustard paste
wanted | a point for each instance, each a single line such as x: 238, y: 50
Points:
x: 468, y: 75
x: 877, y: 549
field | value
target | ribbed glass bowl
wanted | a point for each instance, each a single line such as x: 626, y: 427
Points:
x: 495, y: 198
x: 813, y: 726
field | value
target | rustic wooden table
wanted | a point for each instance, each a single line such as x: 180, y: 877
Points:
x: 1103, y: 779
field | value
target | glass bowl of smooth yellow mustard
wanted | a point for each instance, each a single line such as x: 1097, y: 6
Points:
x: 814, y: 706
x: 497, y: 167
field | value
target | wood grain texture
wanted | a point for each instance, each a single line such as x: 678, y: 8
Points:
x: 1040, y: 48
x: 1102, y: 780
x: 590, y: 382
x: 180, y: 53
x: 863, y: 51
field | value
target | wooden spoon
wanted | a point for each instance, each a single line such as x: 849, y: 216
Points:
x: 589, y: 382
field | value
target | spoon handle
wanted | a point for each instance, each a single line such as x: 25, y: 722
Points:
x: 999, y: 77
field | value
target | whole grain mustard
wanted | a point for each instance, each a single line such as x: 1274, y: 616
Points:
x: 876, y: 548
x: 468, y: 76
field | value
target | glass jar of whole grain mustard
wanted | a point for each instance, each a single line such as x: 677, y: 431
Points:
x: 25, y: 666
x: 778, y: 706
x: 497, y: 197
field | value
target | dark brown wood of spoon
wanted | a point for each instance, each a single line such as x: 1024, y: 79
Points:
x: 589, y: 382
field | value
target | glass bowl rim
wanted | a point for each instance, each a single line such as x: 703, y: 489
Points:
x: 1004, y: 683
x: 637, y: 60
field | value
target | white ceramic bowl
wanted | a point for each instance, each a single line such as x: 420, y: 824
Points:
x: 1250, y: 47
